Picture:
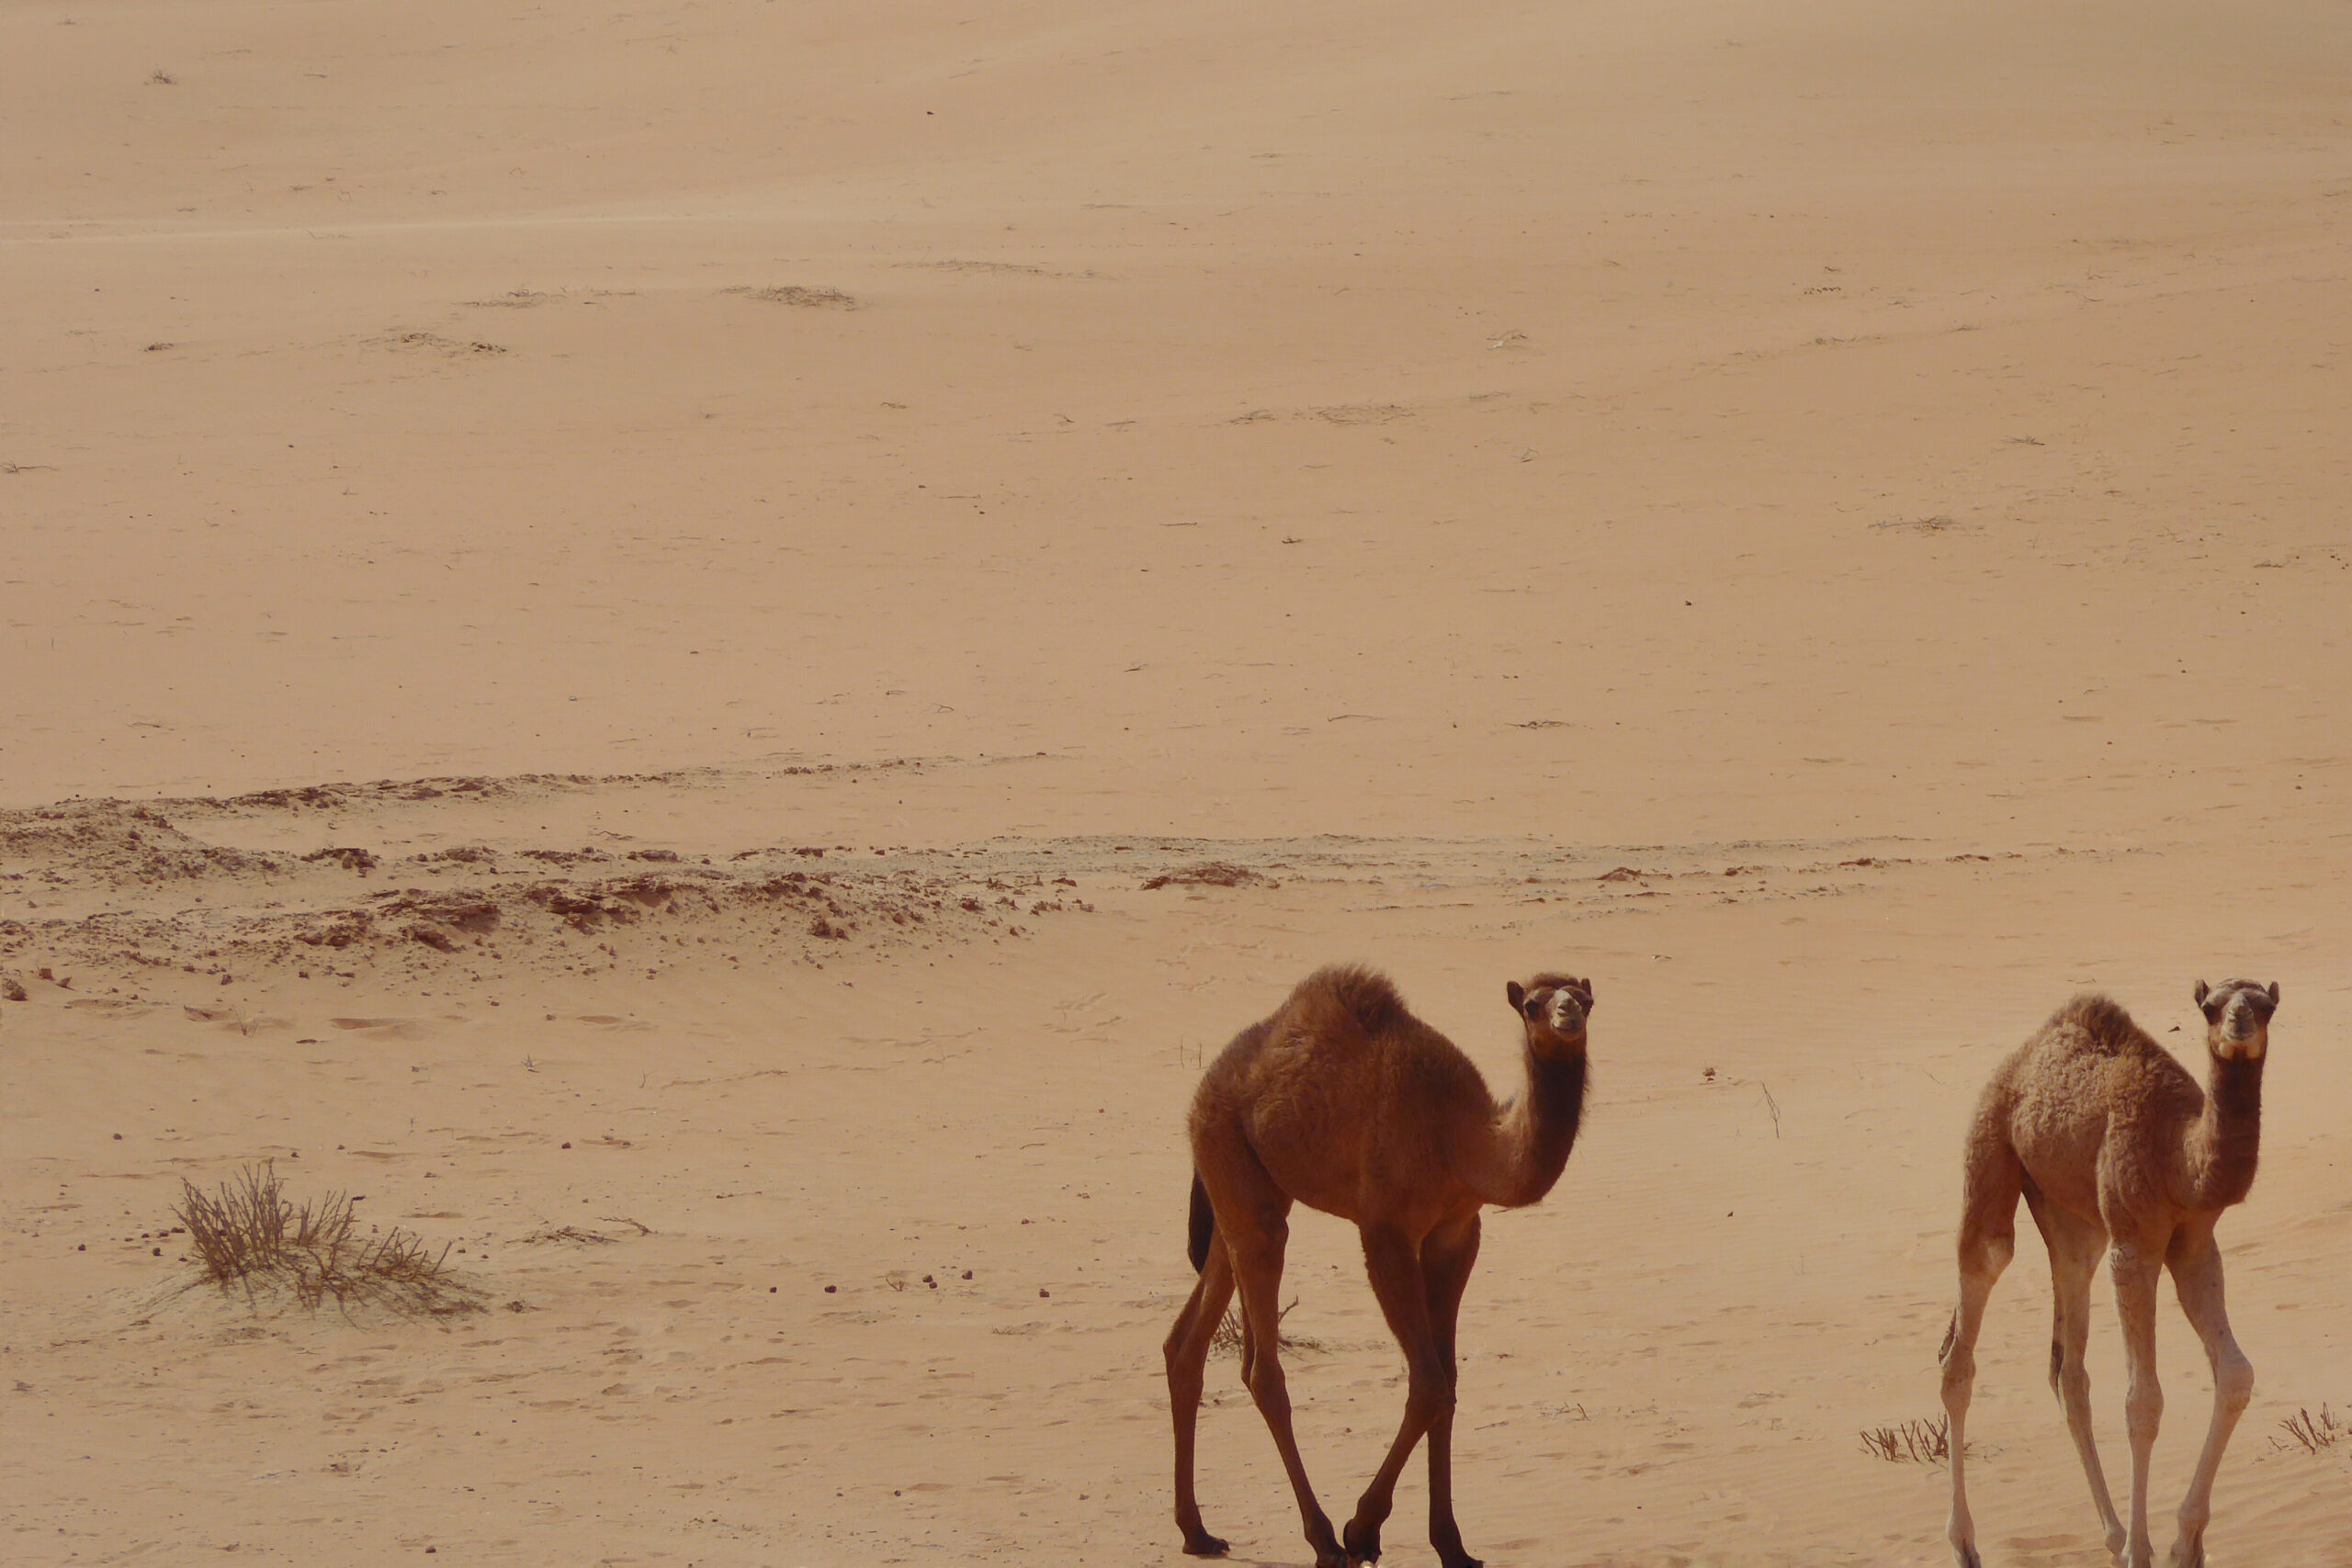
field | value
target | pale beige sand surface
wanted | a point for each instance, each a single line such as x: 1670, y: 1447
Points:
x: 1880, y: 479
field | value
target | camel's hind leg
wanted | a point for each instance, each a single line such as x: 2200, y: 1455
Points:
x: 2196, y: 1263
x: 1187, y: 1353
x: 1253, y: 1224
x: 1992, y: 1179
x: 2076, y: 1245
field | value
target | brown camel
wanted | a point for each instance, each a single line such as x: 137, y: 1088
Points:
x: 1344, y: 1101
x: 2110, y: 1141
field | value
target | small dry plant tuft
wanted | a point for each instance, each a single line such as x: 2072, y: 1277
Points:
x: 2312, y: 1434
x: 1227, y: 1340
x: 250, y: 1235
x: 1913, y: 1442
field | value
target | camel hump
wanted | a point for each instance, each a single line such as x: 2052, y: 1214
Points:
x: 1363, y: 994
x: 2102, y: 1021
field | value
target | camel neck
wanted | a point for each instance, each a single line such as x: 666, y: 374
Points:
x: 1537, y: 1132
x: 2226, y: 1140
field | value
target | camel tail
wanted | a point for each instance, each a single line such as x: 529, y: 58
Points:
x: 1202, y: 1228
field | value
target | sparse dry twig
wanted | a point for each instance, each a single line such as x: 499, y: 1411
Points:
x: 1913, y: 1442
x: 2312, y: 1434
x: 587, y: 1237
x: 1228, y: 1335
x: 569, y: 1232
x: 250, y: 1235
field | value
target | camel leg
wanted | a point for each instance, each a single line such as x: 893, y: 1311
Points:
x: 2075, y: 1248
x: 1394, y: 1264
x: 1448, y: 1255
x: 2196, y: 1263
x: 1253, y: 1220
x: 2134, y: 1264
x: 1992, y: 1179
x: 1187, y: 1352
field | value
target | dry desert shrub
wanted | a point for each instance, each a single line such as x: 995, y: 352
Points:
x: 251, y: 1237
x: 1227, y: 1340
x: 2312, y: 1434
x: 1913, y: 1442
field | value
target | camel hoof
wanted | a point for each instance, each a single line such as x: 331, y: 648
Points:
x: 1363, y: 1542
x: 1203, y: 1545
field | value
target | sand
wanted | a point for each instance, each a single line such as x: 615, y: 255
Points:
x: 608, y: 616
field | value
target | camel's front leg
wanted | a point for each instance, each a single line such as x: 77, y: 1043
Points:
x: 2134, y: 1264
x: 1448, y: 1254
x: 2075, y: 1249
x: 1393, y: 1262
x: 2196, y: 1274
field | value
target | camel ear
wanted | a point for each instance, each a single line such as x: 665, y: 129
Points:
x: 1517, y: 993
x: 2202, y: 989
x: 2273, y: 993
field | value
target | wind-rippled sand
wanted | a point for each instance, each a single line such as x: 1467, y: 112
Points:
x: 703, y: 652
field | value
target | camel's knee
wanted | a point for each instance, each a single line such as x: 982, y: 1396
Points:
x: 2072, y: 1381
x: 1430, y: 1394
x: 2144, y: 1408
x: 1985, y: 1251
x: 2232, y: 1380
x: 1960, y: 1374
x: 1185, y: 1371
x: 1267, y: 1385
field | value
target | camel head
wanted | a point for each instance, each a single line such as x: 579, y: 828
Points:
x: 1554, y: 1007
x: 2237, y: 1018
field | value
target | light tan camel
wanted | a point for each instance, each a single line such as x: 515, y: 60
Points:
x: 2110, y: 1141
x: 1344, y: 1101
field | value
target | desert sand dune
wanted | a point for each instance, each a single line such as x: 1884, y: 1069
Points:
x: 704, y: 651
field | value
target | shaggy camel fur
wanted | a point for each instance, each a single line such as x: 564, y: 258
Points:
x: 2109, y: 1140
x: 1344, y: 1101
